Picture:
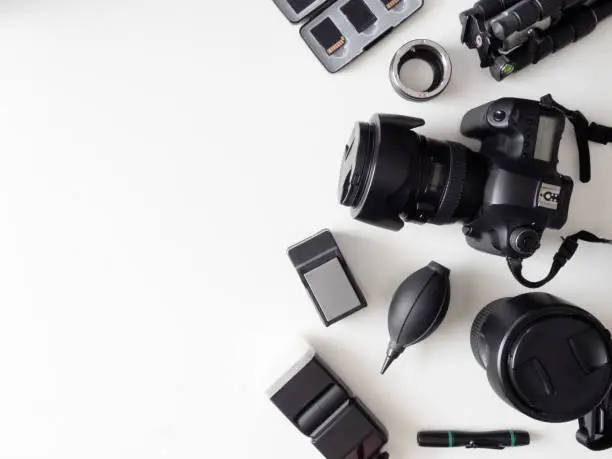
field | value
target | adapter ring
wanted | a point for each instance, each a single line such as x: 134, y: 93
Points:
x: 438, y: 59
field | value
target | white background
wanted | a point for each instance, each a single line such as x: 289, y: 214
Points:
x: 158, y: 158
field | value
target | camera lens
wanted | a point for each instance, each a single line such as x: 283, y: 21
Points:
x: 390, y: 175
x: 547, y: 358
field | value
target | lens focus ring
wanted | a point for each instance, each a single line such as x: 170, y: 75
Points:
x: 454, y: 188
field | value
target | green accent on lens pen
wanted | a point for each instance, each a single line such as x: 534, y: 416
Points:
x: 450, y: 439
x: 512, y: 438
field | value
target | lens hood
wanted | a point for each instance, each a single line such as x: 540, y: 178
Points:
x: 376, y: 167
x: 547, y: 358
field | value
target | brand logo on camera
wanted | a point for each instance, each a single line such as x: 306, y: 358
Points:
x: 549, y: 196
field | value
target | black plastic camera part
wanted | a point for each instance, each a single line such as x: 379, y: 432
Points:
x: 417, y: 309
x: 327, y: 277
x: 549, y: 359
x: 323, y: 408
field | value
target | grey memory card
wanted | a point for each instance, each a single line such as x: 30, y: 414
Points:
x: 327, y: 278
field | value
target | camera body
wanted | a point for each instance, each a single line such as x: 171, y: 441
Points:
x: 523, y: 194
x: 506, y: 195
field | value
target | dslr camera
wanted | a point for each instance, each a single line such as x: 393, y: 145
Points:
x: 505, y: 195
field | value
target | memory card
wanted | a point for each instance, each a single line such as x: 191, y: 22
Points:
x: 342, y: 30
x: 389, y: 4
x: 328, y: 36
x: 359, y: 14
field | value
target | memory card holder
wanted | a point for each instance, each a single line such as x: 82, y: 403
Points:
x: 340, y: 31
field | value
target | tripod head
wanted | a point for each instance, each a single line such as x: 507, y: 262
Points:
x: 513, y: 34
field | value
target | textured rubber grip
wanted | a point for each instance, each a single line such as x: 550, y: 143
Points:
x: 455, y: 185
x: 529, y: 13
x: 494, y: 7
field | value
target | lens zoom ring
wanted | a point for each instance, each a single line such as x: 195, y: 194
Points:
x: 455, y: 185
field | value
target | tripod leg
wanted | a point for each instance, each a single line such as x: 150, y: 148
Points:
x: 571, y: 28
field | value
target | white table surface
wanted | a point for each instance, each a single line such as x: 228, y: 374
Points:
x: 158, y: 157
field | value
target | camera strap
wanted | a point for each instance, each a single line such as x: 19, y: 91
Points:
x: 585, y: 132
x: 566, y: 252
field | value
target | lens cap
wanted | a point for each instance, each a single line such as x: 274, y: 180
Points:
x: 352, y: 173
x: 559, y: 365
x: 375, y: 167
